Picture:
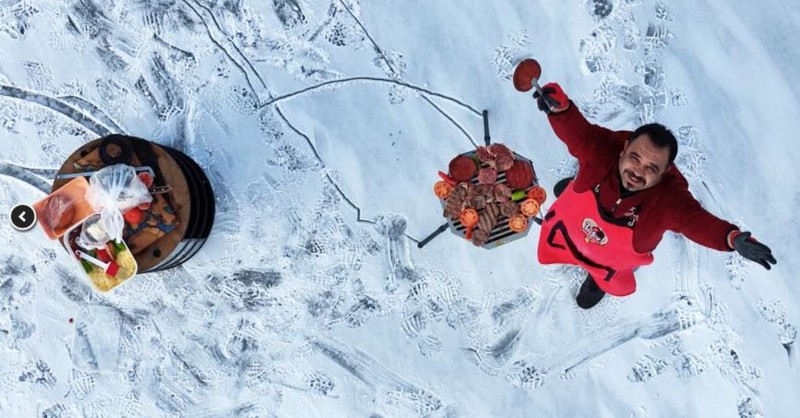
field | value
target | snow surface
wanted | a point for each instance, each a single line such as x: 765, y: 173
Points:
x: 308, y: 114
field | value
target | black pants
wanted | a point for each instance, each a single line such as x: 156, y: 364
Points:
x: 561, y: 186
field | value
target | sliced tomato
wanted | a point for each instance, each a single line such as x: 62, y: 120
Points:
x: 442, y: 189
x: 469, y: 217
x: 530, y: 207
x: 538, y: 194
x: 518, y: 223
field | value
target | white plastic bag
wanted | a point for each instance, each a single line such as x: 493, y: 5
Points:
x: 113, y: 191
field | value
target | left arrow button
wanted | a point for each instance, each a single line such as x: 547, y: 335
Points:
x: 23, y: 217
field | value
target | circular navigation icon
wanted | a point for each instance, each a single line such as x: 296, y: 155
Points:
x: 23, y: 217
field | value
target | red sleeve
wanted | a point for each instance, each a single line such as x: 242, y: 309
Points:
x: 687, y: 217
x: 584, y: 140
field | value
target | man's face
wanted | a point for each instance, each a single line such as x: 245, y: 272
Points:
x: 642, y: 164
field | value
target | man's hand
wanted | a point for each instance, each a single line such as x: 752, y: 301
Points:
x: 554, y: 100
x: 751, y: 249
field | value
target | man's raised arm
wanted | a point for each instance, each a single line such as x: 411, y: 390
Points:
x: 583, y: 139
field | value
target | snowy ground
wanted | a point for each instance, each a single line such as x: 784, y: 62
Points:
x: 308, y: 114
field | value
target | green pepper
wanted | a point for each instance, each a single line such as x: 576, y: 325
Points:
x: 87, y: 266
x: 518, y: 195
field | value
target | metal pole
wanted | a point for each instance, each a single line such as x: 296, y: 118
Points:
x: 433, y: 235
x: 486, y: 138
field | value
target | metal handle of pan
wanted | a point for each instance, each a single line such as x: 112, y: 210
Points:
x: 433, y: 235
x: 538, y: 88
x: 486, y: 138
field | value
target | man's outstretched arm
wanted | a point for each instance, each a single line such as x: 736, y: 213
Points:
x: 582, y: 138
x: 699, y: 225
x: 702, y: 227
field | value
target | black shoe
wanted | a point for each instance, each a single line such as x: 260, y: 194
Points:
x: 590, y: 294
x: 561, y: 185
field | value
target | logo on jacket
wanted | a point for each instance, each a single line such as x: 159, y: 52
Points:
x: 593, y: 232
x: 633, y: 215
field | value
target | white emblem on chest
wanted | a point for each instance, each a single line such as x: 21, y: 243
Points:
x: 633, y: 215
x: 593, y: 232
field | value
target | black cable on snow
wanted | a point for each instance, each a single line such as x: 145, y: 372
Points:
x: 56, y: 105
x: 376, y: 79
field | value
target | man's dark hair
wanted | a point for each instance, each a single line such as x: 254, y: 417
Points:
x: 661, y: 137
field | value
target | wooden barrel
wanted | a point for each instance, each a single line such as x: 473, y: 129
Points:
x: 190, y: 197
x: 201, y: 217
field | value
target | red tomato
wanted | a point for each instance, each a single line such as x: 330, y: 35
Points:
x: 538, y: 194
x: 146, y: 178
x: 103, y: 256
x: 469, y: 217
x: 442, y: 189
x: 518, y: 223
x: 530, y: 207
x: 133, y: 216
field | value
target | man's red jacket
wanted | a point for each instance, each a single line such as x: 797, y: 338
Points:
x: 668, y: 206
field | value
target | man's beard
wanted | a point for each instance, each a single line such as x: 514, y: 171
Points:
x: 631, y: 181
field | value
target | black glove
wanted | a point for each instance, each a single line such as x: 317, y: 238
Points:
x: 552, y: 100
x: 753, y: 250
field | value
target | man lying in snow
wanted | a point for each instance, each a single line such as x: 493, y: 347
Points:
x: 627, y: 193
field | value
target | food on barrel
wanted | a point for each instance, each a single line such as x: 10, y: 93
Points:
x: 480, y: 237
x: 93, y: 231
x: 520, y: 175
x: 538, y: 194
x: 530, y: 207
x: 146, y: 178
x: 133, y: 216
x: 518, y: 223
x: 462, y: 168
x: 502, y: 193
x: 63, y: 208
x: 442, y: 189
x: 107, y: 265
x: 127, y: 269
x: 489, y: 217
x: 58, y: 212
x: 509, y: 208
x: 487, y: 175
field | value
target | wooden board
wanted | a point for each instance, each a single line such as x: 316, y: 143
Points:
x: 180, y: 199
